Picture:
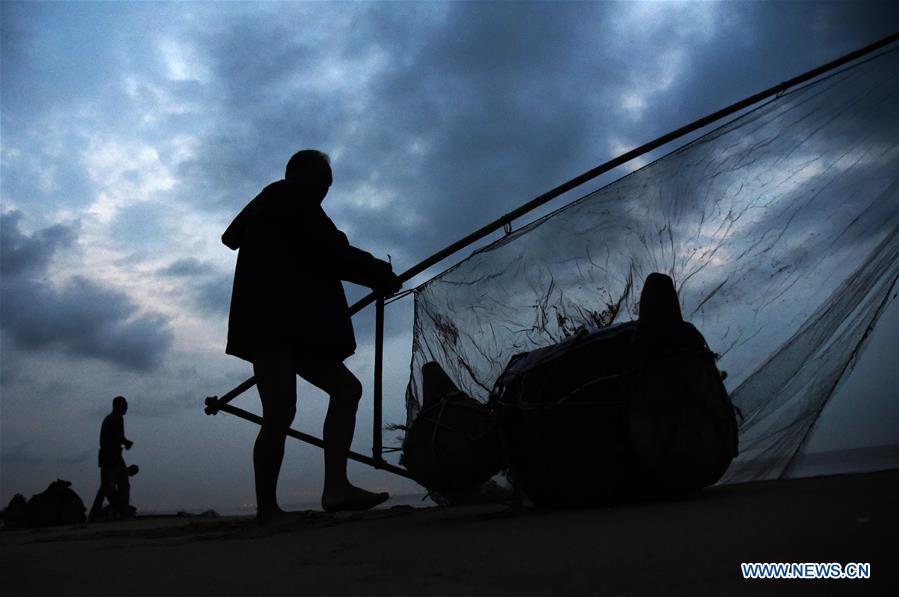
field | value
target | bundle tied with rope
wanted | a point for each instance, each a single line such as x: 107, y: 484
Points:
x: 454, y: 443
x: 629, y: 411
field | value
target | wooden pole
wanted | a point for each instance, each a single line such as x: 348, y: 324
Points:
x: 378, y: 382
x: 309, y: 439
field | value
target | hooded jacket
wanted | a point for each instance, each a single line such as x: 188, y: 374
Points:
x: 287, y: 283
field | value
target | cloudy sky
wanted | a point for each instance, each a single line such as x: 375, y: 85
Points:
x: 133, y: 132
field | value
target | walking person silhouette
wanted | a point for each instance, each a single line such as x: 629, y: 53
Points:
x: 289, y: 316
x: 114, y: 484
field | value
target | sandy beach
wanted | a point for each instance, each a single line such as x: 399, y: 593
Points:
x: 685, y: 547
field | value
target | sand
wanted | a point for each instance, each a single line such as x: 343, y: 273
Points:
x: 685, y: 547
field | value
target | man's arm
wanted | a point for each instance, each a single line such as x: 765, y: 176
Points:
x: 331, y: 253
x: 120, y: 434
x: 361, y: 267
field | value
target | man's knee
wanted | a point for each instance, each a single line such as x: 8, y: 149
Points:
x: 279, y: 418
x: 334, y: 378
x: 290, y: 413
x: 350, y: 390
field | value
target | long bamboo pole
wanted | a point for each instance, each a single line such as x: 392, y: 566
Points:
x: 212, y: 409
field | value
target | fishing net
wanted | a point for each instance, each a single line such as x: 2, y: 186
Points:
x: 779, y: 230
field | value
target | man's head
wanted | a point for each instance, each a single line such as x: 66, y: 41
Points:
x: 119, y: 405
x: 312, y: 169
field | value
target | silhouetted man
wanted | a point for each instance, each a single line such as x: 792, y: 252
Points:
x: 114, y: 484
x: 289, y: 316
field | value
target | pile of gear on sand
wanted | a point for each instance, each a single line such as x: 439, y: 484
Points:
x: 631, y: 411
x: 60, y: 505
x: 57, y: 505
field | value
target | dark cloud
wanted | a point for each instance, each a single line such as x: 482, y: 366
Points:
x: 41, y: 64
x: 81, y: 317
x: 20, y: 454
x: 79, y: 458
x: 147, y: 226
x: 754, y: 42
x: 186, y: 267
x: 208, y: 288
x: 496, y: 100
x: 36, y: 170
x: 154, y: 405
x: 466, y: 117
x: 214, y: 294
x: 23, y: 255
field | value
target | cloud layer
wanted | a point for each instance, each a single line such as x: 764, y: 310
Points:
x: 78, y: 317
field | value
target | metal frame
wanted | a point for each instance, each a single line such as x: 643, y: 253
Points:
x: 214, y: 404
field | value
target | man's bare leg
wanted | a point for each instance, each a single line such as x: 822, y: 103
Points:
x: 344, y: 391
x: 107, y: 490
x: 123, y: 490
x: 276, y: 382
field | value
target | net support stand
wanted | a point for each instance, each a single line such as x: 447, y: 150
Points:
x: 376, y: 447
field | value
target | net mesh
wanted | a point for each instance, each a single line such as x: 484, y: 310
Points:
x: 780, y: 232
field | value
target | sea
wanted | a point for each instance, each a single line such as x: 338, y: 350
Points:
x: 815, y: 464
